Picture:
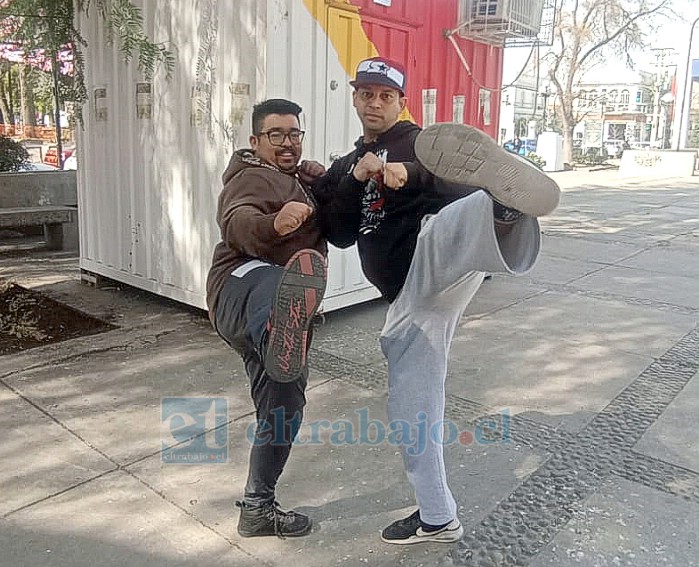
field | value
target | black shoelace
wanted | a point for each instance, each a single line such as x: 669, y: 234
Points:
x: 280, y: 518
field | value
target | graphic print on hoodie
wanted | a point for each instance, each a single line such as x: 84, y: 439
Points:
x: 384, y: 222
x: 373, y: 200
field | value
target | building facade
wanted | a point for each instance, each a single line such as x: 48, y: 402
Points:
x: 614, y: 114
x: 521, y: 107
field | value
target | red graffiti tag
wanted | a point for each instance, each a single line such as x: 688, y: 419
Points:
x: 290, y: 338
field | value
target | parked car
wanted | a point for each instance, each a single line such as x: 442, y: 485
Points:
x: 528, y: 145
x: 30, y: 167
x: 51, y: 157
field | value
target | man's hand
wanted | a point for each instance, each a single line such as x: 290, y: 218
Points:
x: 309, y: 171
x: 395, y: 175
x: 291, y: 217
x: 367, y: 167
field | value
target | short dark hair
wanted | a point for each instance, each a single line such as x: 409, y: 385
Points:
x: 272, y: 106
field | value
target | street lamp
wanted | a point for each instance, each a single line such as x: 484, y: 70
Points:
x: 686, y: 82
x: 545, y: 95
x: 603, y: 109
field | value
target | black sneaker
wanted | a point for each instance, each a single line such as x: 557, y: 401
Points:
x: 269, y: 519
x: 411, y: 530
x: 299, y: 295
x: 504, y: 214
x: 463, y: 154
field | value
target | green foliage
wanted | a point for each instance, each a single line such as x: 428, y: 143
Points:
x: 693, y: 135
x: 43, y: 91
x: 593, y: 156
x: 13, y: 155
x: 50, y: 25
x: 9, y: 88
x: 537, y: 160
x: 124, y: 22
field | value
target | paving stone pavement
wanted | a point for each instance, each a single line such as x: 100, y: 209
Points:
x: 572, y: 397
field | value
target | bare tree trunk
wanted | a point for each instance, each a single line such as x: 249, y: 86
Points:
x: 568, y: 122
x: 5, y: 94
x: 4, y: 101
x: 568, y: 144
x: 57, y: 100
x: 26, y: 85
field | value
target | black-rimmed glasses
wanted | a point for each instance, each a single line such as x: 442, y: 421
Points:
x: 277, y: 137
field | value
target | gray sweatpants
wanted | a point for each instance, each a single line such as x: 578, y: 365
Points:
x: 454, y: 249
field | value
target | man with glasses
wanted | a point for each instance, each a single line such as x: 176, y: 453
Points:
x: 430, y: 211
x: 265, y: 284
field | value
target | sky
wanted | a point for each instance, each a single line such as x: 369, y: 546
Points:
x: 674, y: 32
x: 670, y: 32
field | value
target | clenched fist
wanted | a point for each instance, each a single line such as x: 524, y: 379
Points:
x: 309, y: 171
x: 291, y: 217
x: 367, y: 167
x: 395, y: 175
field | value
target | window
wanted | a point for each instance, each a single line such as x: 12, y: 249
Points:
x: 616, y: 132
x: 624, y: 97
x: 613, y: 96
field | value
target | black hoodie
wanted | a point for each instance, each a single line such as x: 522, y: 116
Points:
x: 384, y: 222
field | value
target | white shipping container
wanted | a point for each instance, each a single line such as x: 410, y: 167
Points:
x: 152, y: 153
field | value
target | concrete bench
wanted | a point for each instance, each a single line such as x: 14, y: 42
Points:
x: 657, y: 163
x: 51, y: 217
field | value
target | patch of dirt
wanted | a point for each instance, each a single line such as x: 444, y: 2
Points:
x: 29, y: 319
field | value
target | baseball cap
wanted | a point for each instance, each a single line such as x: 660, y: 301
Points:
x: 380, y: 71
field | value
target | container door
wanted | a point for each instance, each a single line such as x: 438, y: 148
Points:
x: 348, y: 43
x: 351, y: 39
x: 346, y: 282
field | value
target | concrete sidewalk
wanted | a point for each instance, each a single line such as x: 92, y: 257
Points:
x: 573, y: 392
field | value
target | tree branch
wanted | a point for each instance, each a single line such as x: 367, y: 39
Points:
x: 621, y: 30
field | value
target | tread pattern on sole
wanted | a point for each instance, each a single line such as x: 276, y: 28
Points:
x: 465, y: 155
x: 298, y: 297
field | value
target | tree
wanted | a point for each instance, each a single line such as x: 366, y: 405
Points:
x: 8, y: 91
x: 26, y: 89
x: 13, y: 155
x: 43, y: 28
x: 586, y: 32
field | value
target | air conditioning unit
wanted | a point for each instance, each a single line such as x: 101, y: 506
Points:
x: 497, y: 20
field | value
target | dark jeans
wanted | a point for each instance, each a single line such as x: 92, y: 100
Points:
x: 242, y: 311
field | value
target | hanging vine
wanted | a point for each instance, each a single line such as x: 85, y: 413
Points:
x: 43, y: 29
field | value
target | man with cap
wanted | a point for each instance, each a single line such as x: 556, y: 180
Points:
x: 431, y: 211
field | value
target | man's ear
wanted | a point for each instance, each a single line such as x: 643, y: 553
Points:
x: 403, y: 101
x: 253, y: 142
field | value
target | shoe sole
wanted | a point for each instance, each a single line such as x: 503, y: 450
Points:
x: 283, y: 534
x: 444, y: 536
x: 298, y: 297
x: 465, y: 155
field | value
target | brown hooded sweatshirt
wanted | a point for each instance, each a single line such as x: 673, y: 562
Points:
x: 253, y: 193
